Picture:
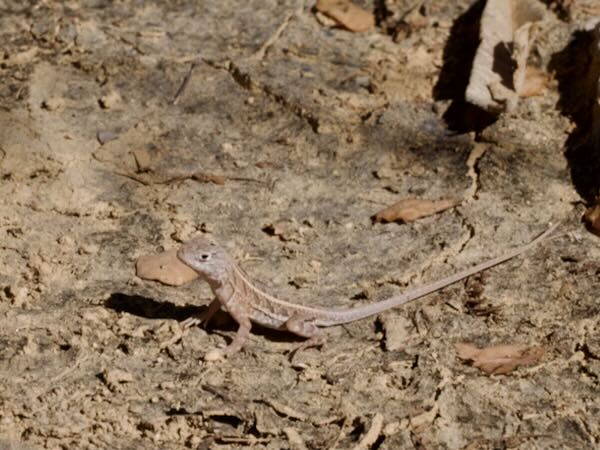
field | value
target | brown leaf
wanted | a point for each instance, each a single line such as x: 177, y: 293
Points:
x: 164, y: 267
x: 411, y: 209
x: 348, y: 15
x: 265, y: 164
x: 502, y: 22
x: 535, y: 83
x: 592, y: 219
x: 500, y: 359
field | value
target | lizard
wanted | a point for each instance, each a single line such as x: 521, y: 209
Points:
x: 236, y: 294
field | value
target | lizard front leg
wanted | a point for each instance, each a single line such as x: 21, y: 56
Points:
x: 204, y: 316
x: 239, y: 314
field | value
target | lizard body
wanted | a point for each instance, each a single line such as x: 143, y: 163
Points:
x: 246, y: 303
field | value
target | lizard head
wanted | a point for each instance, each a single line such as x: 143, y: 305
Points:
x: 207, y: 258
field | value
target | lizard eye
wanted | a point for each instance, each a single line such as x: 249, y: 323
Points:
x: 205, y: 256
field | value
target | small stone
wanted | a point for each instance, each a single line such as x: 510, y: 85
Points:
x: 88, y: 249
x: 54, y: 104
x: 213, y: 355
x: 226, y: 146
x: 167, y: 385
x: 164, y: 267
x: 105, y: 136
x: 21, y: 295
x: 110, y: 101
x: 66, y: 241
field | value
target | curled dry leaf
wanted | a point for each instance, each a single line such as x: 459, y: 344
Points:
x: 499, y: 67
x: 535, y: 83
x: 411, y: 209
x: 164, y: 267
x: 500, y: 359
x: 347, y: 14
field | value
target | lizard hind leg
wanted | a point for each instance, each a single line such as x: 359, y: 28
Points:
x: 301, y: 326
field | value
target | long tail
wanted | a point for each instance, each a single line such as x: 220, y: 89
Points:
x: 350, y: 315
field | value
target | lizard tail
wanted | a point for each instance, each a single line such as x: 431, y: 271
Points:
x: 339, y: 317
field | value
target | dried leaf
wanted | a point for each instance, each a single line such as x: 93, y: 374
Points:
x: 592, y: 219
x: 347, y: 14
x: 500, y: 359
x: 411, y: 209
x: 535, y: 83
x: 265, y: 164
x: 164, y: 267
x: 494, y: 80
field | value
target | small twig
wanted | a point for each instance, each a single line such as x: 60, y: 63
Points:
x: 215, y: 390
x: 196, y: 176
x: 242, y: 440
x: 340, y: 434
x: 285, y: 410
x: 133, y: 177
x: 184, y: 84
x: 262, y: 51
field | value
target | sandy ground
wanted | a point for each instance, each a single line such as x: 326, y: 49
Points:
x: 315, y: 129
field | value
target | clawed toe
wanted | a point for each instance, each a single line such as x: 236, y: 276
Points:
x: 191, y: 322
x: 315, y: 341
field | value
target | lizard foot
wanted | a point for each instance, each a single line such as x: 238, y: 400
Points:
x: 192, y: 322
x: 203, y: 317
x: 314, y: 341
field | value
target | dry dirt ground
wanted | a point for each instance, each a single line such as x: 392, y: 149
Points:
x: 314, y: 129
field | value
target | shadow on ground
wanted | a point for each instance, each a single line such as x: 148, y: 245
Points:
x: 459, y: 52
x: 577, y: 68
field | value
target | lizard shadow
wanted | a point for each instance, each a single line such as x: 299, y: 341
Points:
x: 149, y: 308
